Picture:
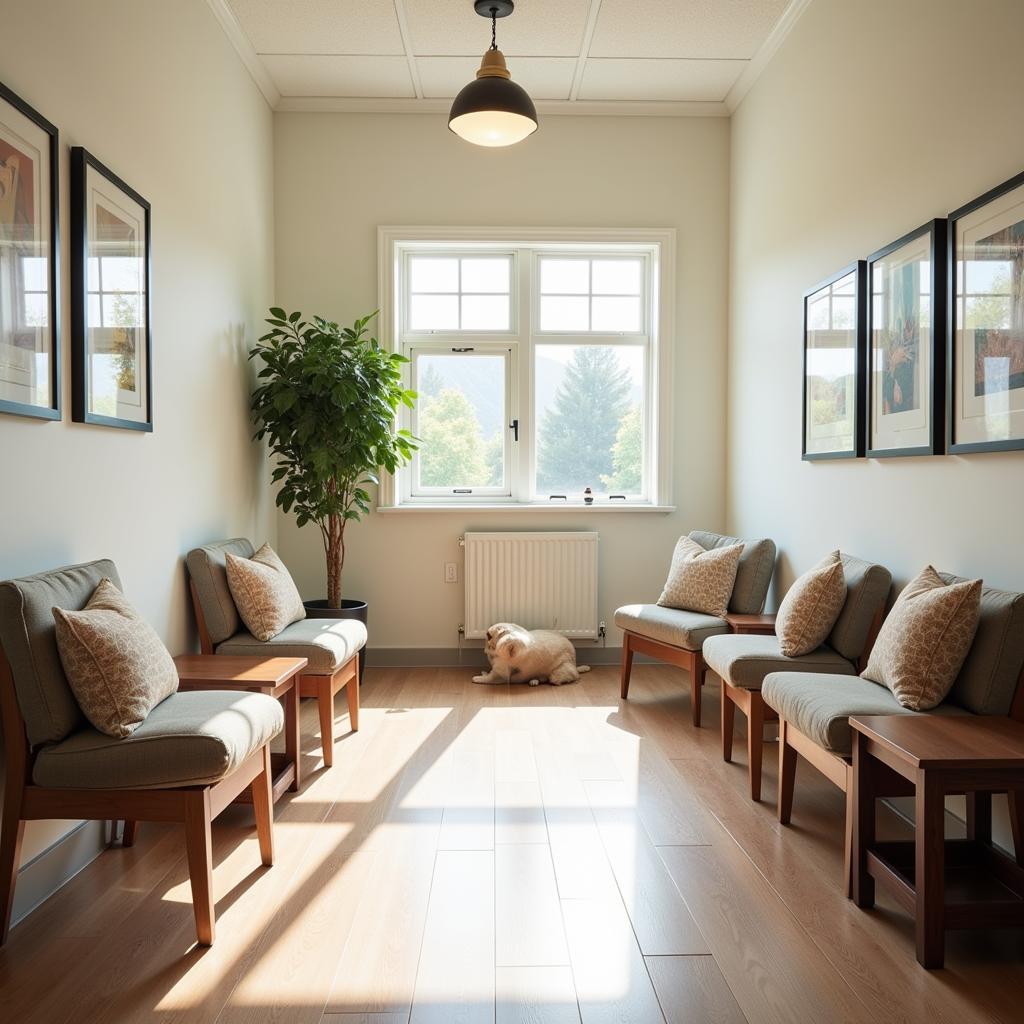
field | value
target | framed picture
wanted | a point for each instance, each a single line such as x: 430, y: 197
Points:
x: 111, y: 367
x: 985, y: 345
x: 834, y: 365
x: 30, y: 382
x: 906, y: 353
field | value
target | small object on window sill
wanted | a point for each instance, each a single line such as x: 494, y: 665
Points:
x: 588, y: 496
x: 616, y: 497
x: 556, y: 497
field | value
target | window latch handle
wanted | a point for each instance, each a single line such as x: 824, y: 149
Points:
x: 514, y: 427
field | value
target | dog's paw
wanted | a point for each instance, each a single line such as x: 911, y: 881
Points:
x: 535, y: 682
x: 481, y: 679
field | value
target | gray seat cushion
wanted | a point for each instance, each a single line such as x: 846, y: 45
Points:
x: 820, y: 705
x: 988, y: 678
x: 867, y: 589
x: 28, y: 637
x: 327, y: 643
x: 754, y: 573
x: 744, y: 659
x: 208, y: 572
x: 190, y: 739
x: 670, y: 625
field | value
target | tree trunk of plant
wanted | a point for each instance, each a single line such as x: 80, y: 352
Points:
x: 335, y: 546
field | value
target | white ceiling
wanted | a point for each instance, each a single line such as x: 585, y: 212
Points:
x: 641, y: 56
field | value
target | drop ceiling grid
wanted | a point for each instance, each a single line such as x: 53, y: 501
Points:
x: 633, y: 51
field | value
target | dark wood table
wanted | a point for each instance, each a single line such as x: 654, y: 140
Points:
x: 276, y: 677
x: 764, y: 624
x: 934, y: 756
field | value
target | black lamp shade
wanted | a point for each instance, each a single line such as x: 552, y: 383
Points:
x: 493, y: 111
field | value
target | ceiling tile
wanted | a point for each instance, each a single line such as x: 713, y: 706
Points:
x: 320, y: 26
x: 298, y: 75
x: 684, y: 28
x: 537, y: 28
x: 544, y: 78
x: 696, y: 80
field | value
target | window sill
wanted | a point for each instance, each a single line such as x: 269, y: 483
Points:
x: 520, y: 507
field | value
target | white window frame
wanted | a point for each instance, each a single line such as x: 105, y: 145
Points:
x: 526, y: 245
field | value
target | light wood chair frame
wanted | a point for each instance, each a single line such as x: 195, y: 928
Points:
x: 838, y: 769
x: 323, y: 687
x: 752, y: 704
x: 692, y: 661
x: 195, y: 807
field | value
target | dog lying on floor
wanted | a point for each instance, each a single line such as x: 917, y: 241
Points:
x: 520, y: 655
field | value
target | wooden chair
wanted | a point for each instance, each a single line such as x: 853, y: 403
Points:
x: 176, y: 767
x: 332, y: 646
x: 814, y: 709
x: 742, y: 662
x: 677, y: 636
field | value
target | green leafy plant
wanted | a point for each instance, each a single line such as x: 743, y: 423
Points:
x: 326, y: 403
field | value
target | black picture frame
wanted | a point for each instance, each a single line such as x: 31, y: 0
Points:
x: 935, y: 432
x: 81, y: 382
x: 953, y: 356
x: 55, y: 409
x: 859, y: 270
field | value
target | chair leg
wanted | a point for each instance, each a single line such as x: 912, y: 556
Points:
x: 13, y: 831
x: 787, y: 775
x: 848, y: 841
x: 728, y: 720
x: 755, y: 743
x: 199, y: 851
x: 627, y: 667
x: 325, y: 701
x: 128, y: 835
x: 263, y: 809
x: 352, y: 693
x: 697, y: 672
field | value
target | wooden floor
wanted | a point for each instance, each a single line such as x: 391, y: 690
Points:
x: 505, y: 854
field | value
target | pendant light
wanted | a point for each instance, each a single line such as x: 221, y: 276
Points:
x: 493, y: 110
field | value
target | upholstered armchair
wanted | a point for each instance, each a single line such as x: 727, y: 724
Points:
x: 742, y: 662
x: 332, y: 646
x: 676, y: 636
x: 192, y: 755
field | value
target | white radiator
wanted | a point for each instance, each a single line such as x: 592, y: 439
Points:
x: 538, y: 580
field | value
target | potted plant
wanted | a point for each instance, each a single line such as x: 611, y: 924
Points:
x: 326, y: 402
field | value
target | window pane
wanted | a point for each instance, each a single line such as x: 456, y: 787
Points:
x: 485, y: 312
x: 616, y: 277
x: 589, y: 419
x: 121, y: 310
x: 94, y: 309
x: 485, y: 275
x: 121, y: 273
x: 433, y: 312
x: 36, y: 304
x: 33, y: 273
x: 461, y: 420
x: 565, y: 277
x: 433, y: 274
x: 564, y: 313
x: 616, y: 314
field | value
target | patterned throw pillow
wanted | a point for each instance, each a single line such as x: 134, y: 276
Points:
x: 924, y: 639
x: 701, y: 580
x: 810, y: 608
x: 117, y: 666
x: 264, y: 593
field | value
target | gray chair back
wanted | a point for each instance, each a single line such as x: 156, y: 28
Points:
x: 989, y: 676
x: 29, y: 640
x: 206, y: 567
x: 867, y: 589
x: 753, y: 574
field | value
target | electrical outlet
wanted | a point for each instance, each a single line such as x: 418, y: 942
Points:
x: 451, y: 572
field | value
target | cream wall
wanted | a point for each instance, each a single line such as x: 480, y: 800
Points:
x: 339, y: 176
x: 156, y: 92
x: 872, y: 118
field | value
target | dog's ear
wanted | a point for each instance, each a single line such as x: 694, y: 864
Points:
x: 490, y: 633
x: 512, y: 648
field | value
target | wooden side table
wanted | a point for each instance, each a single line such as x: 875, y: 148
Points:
x: 764, y: 624
x: 933, y: 756
x: 276, y: 677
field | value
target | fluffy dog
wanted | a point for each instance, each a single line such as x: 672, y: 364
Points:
x: 520, y: 655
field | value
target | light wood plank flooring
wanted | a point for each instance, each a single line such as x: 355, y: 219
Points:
x: 513, y: 855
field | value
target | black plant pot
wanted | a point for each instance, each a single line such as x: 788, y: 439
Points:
x: 350, y: 609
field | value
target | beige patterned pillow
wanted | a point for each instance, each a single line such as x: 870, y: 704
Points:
x: 701, y: 580
x: 117, y: 666
x: 264, y: 593
x: 810, y: 608
x: 924, y: 639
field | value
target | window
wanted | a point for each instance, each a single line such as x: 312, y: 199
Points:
x: 538, y: 366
